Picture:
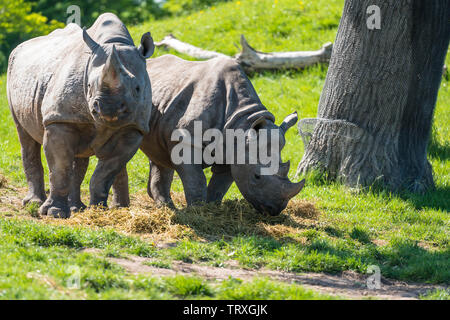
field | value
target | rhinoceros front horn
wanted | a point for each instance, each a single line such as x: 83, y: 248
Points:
x: 292, y: 189
x: 112, y: 69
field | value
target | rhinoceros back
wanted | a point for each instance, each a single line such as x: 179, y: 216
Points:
x: 215, y: 92
x: 45, y: 80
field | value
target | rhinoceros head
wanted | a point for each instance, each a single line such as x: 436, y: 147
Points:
x: 268, y: 193
x: 118, y: 86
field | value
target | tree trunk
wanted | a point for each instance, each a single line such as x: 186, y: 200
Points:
x: 376, y: 109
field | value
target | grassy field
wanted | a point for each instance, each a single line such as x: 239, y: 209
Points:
x: 406, y: 235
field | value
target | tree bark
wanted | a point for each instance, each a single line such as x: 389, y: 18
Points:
x: 376, y: 109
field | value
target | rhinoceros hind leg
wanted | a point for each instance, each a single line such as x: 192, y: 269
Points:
x: 159, y: 183
x: 121, y: 195
x: 32, y: 164
x: 218, y: 185
x: 60, y: 141
x: 80, y: 166
x: 194, y: 183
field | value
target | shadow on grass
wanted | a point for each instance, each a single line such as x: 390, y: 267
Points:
x: 400, y: 259
x: 405, y: 260
x: 437, y: 199
x: 437, y: 150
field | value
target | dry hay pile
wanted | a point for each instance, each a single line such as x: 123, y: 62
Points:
x: 207, y: 222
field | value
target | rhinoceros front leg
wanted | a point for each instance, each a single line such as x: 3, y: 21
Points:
x: 121, y: 195
x: 113, y: 157
x: 60, y: 142
x: 32, y: 164
x: 194, y: 183
x: 159, y: 182
x: 80, y: 166
x: 218, y: 185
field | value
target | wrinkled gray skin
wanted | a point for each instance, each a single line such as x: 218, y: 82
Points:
x: 79, y: 93
x: 218, y: 93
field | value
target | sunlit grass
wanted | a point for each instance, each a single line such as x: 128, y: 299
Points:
x: 406, y: 235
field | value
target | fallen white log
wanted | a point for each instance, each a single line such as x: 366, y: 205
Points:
x: 253, y: 60
x: 170, y: 41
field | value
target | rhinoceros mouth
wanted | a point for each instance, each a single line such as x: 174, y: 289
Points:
x: 119, y: 119
x: 266, y: 209
x: 272, y: 210
x: 118, y: 123
x: 110, y: 119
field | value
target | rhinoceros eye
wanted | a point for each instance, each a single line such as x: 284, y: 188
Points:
x: 138, y: 89
x: 257, y: 176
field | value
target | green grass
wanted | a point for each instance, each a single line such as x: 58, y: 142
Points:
x: 437, y: 295
x: 44, y: 262
x: 412, y: 231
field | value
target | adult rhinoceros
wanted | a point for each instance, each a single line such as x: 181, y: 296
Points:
x: 79, y: 93
x: 219, y: 95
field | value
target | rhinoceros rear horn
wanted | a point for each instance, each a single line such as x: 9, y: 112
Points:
x: 292, y: 189
x: 288, y: 122
x: 89, y: 41
x: 284, y: 169
x: 147, y: 47
x: 112, y: 69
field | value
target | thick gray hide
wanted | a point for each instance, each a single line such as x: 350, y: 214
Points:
x: 219, y: 94
x: 79, y: 94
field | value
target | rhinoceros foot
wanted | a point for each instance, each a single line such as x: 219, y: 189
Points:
x: 77, y: 207
x: 161, y: 204
x: 59, y: 212
x: 55, y: 208
x: 33, y: 198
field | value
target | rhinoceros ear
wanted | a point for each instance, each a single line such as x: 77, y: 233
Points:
x: 147, y: 47
x: 288, y: 122
x: 89, y: 41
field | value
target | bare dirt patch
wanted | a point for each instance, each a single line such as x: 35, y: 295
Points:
x: 11, y: 200
x: 349, y: 284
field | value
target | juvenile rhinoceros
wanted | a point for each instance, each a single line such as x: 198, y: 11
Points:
x: 79, y: 93
x: 218, y: 94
